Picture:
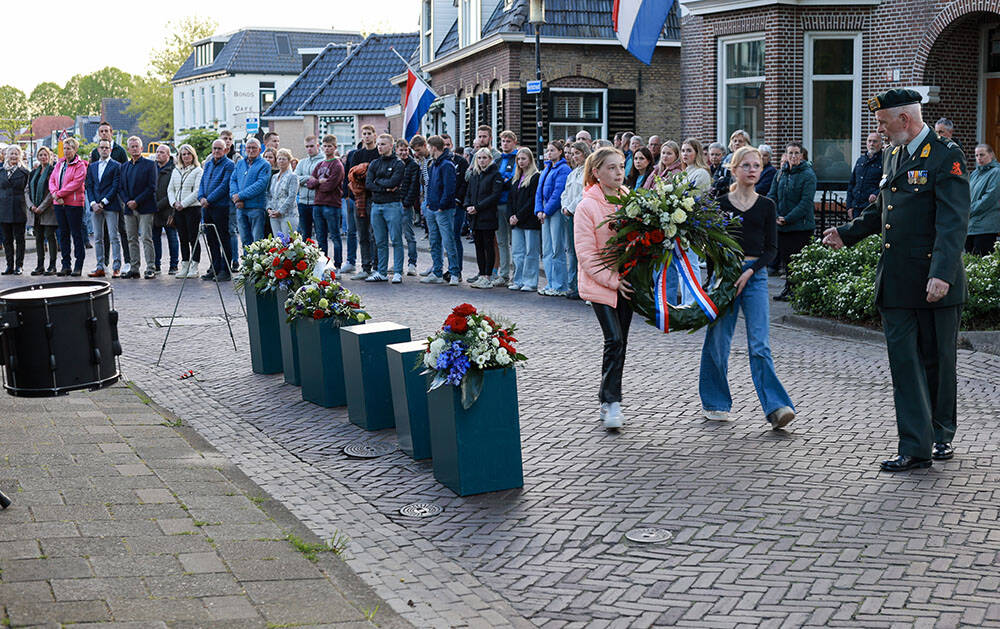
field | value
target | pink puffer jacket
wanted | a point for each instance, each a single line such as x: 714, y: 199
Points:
x: 594, y: 282
x: 71, y: 190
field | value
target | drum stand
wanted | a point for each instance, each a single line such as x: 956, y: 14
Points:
x: 204, y: 238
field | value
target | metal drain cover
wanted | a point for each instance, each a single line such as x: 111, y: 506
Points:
x: 649, y: 536
x: 368, y: 449
x: 163, y: 322
x: 421, y: 510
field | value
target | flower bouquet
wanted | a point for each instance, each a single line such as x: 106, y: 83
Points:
x: 280, y: 262
x: 649, y: 228
x: 325, y: 299
x: 256, y: 265
x: 468, y: 344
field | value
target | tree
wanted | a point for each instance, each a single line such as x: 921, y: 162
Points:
x: 13, y: 112
x: 152, y: 96
x: 70, y: 102
x: 200, y: 140
x: 45, y: 100
x: 109, y: 82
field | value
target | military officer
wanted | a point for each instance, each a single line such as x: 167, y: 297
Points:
x: 922, y: 213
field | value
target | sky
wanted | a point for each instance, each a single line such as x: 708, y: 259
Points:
x: 142, y: 27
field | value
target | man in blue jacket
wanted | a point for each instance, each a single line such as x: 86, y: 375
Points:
x: 137, y: 190
x: 865, y: 178
x: 441, y: 212
x: 213, y: 194
x: 103, y: 176
x: 248, y: 190
x: 507, y: 162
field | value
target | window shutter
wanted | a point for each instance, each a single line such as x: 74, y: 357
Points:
x: 621, y: 111
x: 529, y: 136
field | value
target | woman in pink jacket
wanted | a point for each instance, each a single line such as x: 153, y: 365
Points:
x: 66, y: 186
x: 610, y: 295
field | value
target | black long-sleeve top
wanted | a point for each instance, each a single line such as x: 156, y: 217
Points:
x: 758, y: 235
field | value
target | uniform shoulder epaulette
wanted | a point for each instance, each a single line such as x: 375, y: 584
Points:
x: 947, y: 142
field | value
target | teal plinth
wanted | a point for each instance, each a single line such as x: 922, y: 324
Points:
x: 289, y: 344
x: 262, y: 323
x: 477, y: 450
x: 366, y: 372
x: 321, y: 363
x: 409, y: 397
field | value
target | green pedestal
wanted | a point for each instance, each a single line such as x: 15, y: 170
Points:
x: 262, y: 323
x: 289, y: 344
x: 321, y: 363
x: 477, y: 450
x: 366, y: 372
x: 409, y: 397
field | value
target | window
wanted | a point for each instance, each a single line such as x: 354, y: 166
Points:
x: 267, y: 95
x: 201, y: 93
x: 204, y: 55
x: 183, y: 121
x: 426, y: 32
x: 468, y: 22
x: 215, y: 116
x: 832, y: 103
x: 571, y: 111
x: 194, y: 112
x: 993, y: 50
x: 225, y: 112
x: 340, y: 126
x: 284, y: 47
x: 741, y: 87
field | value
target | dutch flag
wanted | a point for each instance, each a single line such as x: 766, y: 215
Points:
x: 418, y: 101
x: 638, y: 24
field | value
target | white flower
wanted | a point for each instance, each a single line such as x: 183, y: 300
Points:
x: 481, y: 360
x: 688, y: 203
x: 671, y: 230
x: 482, y: 334
x: 437, y: 345
x: 668, y: 188
x: 632, y: 211
x: 679, y: 216
x: 495, y: 342
x: 503, y: 358
x: 430, y: 360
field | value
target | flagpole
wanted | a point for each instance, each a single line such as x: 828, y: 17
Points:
x: 405, y: 63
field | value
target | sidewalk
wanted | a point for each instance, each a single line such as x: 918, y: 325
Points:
x: 121, y: 514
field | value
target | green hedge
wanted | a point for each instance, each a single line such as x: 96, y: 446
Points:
x: 841, y: 284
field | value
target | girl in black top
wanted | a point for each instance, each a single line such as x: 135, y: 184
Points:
x: 758, y: 238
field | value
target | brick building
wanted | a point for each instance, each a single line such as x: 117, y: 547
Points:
x: 480, y: 54
x: 803, y: 69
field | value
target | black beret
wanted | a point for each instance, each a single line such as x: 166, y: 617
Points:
x: 894, y: 98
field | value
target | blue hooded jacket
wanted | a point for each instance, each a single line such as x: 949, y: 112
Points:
x: 250, y: 181
x: 550, y: 187
x: 441, y: 183
x: 507, y: 162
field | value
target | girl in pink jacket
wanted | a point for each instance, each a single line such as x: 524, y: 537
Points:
x: 610, y: 295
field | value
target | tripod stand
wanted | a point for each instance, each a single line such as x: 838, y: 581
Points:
x: 203, y: 235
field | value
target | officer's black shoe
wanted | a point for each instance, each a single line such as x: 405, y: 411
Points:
x: 902, y: 463
x: 942, y: 452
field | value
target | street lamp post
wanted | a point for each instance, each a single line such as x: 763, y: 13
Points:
x: 536, y: 17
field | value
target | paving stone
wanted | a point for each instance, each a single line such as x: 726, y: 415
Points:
x: 43, y: 569
x: 150, y: 496
x: 191, y: 585
x: 20, y: 549
x: 135, y: 566
x: 98, y: 588
x: 229, y: 607
x: 22, y: 614
x: 175, y: 526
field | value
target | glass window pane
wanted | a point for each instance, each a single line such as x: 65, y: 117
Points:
x: 833, y: 56
x: 745, y: 110
x: 745, y: 59
x: 993, y: 51
x: 832, y: 116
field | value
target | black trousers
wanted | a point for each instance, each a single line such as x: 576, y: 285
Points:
x: 790, y: 243
x: 218, y: 216
x: 614, y: 324
x: 923, y: 351
x: 485, y: 254
x: 186, y: 221
x: 45, y: 235
x: 13, y: 244
x: 980, y: 244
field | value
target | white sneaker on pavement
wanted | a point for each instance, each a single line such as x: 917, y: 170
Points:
x: 716, y: 416
x: 411, y: 270
x: 456, y: 280
x: 604, y: 411
x: 781, y: 417
x: 614, y: 420
x: 426, y: 273
x: 193, y: 270
x: 432, y: 279
x: 360, y: 275
x: 397, y: 278
x: 348, y: 268
x: 375, y: 277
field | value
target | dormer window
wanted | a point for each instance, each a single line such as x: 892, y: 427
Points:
x: 284, y: 47
x: 204, y: 55
x: 469, y: 28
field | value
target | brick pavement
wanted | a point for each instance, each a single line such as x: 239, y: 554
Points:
x: 795, y: 528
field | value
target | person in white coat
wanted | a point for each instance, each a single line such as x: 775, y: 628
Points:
x: 182, y: 194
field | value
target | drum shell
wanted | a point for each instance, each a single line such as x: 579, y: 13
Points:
x: 28, y: 349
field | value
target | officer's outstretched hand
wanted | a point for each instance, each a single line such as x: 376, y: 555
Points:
x: 831, y: 238
x: 936, y: 289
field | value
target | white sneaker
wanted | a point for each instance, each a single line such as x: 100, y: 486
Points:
x: 496, y: 280
x: 432, y: 279
x: 513, y: 286
x: 484, y: 283
x: 473, y: 279
x: 456, y: 280
x: 527, y: 289
x: 613, y: 420
x: 781, y: 417
x: 348, y: 268
x: 397, y: 278
x: 360, y: 275
x: 193, y: 270
x: 411, y: 270
x: 716, y: 416
x: 126, y: 268
x: 374, y: 277
x: 604, y: 410
x: 183, y: 271
x: 426, y: 273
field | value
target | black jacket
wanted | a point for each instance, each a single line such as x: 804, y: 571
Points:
x: 864, y: 182
x: 483, y: 193
x: 409, y: 190
x: 12, y: 204
x: 384, y: 178
x: 461, y: 183
x: 163, y: 209
x: 117, y: 153
x: 521, y: 202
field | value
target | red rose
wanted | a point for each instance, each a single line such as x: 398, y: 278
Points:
x: 353, y: 304
x: 288, y: 265
x: 464, y: 310
x: 456, y: 324
x: 281, y: 274
x: 633, y: 235
x: 310, y: 241
x: 656, y: 236
x: 318, y: 314
x: 272, y: 249
x: 324, y: 283
x: 302, y: 265
x: 276, y: 261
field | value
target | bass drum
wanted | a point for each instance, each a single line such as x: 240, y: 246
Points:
x: 58, y: 337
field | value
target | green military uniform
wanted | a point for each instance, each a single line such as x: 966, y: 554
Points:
x: 922, y: 213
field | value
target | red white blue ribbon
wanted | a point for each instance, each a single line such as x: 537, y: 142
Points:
x: 693, y: 282
x: 660, y: 302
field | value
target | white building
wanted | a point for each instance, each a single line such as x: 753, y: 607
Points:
x: 229, y: 78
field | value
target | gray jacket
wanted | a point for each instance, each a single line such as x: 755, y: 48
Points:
x: 303, y: 171
x: 281, y: 195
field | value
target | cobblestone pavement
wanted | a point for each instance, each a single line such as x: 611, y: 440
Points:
x: 793, y: 528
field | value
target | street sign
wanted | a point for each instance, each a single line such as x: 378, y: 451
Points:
x: 253, y: 125
x: 535, y: 87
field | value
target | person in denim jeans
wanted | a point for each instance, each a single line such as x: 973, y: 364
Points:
x: 409, y: 192
x: 758, y: 238
x: 248, y: 190
x: 548, y: 203
x: 525, y: 233
x: 440, y: 212
x: 383, y: 181
x: 306, y: 199
x: 326, y: 182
